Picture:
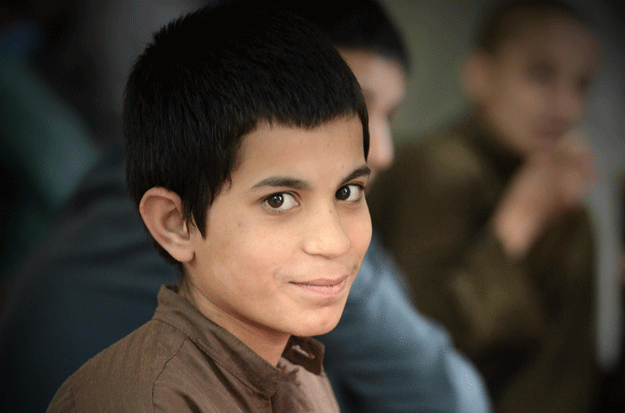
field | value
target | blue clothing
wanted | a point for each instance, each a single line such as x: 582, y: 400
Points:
x: 95, y: 279
x: 386, y: 357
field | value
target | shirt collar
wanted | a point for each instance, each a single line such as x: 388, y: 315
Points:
x: 228, y: 351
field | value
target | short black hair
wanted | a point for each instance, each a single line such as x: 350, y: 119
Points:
x: 208, y: 78
x: 354, y: 24
x: 503, y: 17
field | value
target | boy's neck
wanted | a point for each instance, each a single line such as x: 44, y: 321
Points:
x: 268, y: 344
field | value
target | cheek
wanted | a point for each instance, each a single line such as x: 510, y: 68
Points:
x: 359, y: 232
x: 243, y: 250
x: 519, y: 107
x: 379, y: 129
x: 523, y: 110
x: 266, y: 249
x: 380, y: 143
x: 534, y: 99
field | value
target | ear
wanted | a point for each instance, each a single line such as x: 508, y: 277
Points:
x: 161, y: 210
x: 475, y: 75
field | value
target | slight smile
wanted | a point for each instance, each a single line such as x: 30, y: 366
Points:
x: 324, y: 286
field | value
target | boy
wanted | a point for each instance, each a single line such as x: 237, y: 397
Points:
x: 486, y: 217
x: 246, y: 143
x: 382, y: 357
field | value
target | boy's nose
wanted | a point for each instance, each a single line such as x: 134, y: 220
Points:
x: 326, y: 235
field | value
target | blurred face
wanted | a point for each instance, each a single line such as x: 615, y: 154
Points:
x: 535, y: 84
x: 285, y: 240
x: 382, y: 81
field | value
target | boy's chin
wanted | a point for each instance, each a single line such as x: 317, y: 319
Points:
x: 319, y: 327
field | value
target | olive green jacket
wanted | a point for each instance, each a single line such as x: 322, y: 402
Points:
x: 527, y: 324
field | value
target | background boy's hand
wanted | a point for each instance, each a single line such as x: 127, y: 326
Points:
x: 577, y: 168
x: 545, y: 186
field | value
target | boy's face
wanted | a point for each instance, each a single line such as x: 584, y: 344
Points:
x: 284, y: 241
x: 535, y: 84
x: 382, y: 81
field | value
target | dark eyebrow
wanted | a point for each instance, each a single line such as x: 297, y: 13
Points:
x: 281, y: 181
x: 364, y: 170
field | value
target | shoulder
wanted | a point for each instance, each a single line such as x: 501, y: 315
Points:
x: 446, y: 157
x: 122, y: 377
x: 442, y: 169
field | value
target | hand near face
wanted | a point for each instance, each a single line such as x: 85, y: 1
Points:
x: 547, y: 185
x: 576, y: 166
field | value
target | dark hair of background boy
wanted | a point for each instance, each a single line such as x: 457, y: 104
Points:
x: 207, y: 79
x: 353, y: 24
x: 504, y: 19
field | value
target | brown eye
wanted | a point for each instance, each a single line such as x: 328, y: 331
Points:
x: 280, y: 202
x: 275, y: 200
x: 343, y: 193
x: 350, y: 193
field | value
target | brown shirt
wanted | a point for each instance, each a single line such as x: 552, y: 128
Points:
x: 527, y: 324
x: 181, y: 361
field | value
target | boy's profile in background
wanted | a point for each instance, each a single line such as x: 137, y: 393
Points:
x: 486, y: 216
x: 246, y: 143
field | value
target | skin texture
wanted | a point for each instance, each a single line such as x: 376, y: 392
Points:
x: 382, y: 81
x: 286, y: 238
x: 531, y: 91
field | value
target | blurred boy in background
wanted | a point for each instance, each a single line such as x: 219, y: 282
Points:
x: 486, y: 216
